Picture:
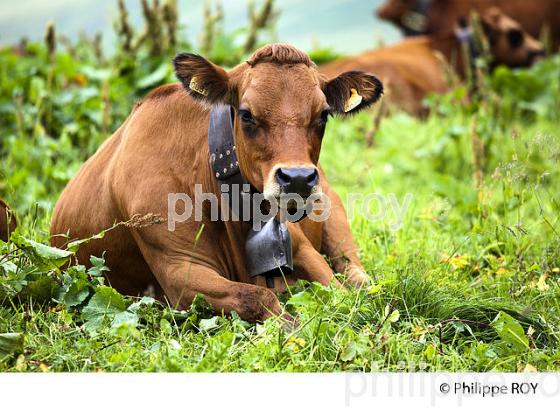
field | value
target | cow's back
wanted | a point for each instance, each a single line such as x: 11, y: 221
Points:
x: 148, y: 139
x: 77, y: 211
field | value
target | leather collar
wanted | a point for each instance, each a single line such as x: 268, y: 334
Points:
x: 268, y: 249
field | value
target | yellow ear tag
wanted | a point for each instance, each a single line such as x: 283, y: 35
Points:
x: 193, y: 85
x: 354, y: 100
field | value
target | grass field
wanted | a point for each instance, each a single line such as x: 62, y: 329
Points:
x: 469, y: 280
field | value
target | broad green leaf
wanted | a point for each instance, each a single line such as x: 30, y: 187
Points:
x: 42, y: 289
x: 165, y: 326
x: 75, y: 287
x: 126, y: 317
x: 510, y: 331
x: 8, y: 267
x: 98, y: 266
x: 77, y: 292
x: 302, y: 298
x: 10, y: 343
x: 144, y: 301
x: 106, y: 303
x: 394, y: 316
x: 481, y: 352
x: 43, y: 256
x: 105, y: 300
x: 207, y: 325
x: 349, y: 352
x: 430, y: 352
x: 15, y: 280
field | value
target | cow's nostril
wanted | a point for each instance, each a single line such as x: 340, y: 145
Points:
x: 282, y: 177
x: 313, y: 177
x: 297, y: 180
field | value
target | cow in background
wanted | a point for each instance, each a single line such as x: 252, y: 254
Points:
x: 437, y: 18
x: 419, y: 66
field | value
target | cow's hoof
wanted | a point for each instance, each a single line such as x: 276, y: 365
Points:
x: 356, y: 276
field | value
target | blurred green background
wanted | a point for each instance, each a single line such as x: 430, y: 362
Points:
x: 346, y: 25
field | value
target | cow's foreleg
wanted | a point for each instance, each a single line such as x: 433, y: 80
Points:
x: 182, y: 280
x: 309, y: 264
x: 253, y: 303
x: 338, y: 244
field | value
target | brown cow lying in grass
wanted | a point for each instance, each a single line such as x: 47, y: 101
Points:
x: 438, y: 17
x: 281, y: 107
x: 418, y: 66
x: 7, y: 221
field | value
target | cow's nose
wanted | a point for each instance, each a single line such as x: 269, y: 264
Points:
x: 297, y: 180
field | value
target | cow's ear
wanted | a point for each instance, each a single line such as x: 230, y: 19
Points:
x: 202, y: 79
x: 352, y: 91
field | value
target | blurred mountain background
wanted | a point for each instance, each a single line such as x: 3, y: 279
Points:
x: 347, y: 26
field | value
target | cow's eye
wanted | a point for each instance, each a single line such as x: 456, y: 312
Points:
x: 515, y: 38
x: 246, y: 117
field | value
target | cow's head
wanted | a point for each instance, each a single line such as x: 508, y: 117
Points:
x: 394, y: 10
x: 282, y: 105
x: 509, y: 43
x: 409, y: 15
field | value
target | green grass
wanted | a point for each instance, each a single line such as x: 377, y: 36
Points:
x: 470, y: 281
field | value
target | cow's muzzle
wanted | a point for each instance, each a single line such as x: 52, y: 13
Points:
x: 299, y: 181
x: 535, y: 56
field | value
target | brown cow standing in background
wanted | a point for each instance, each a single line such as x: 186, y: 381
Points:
x: 7, y: 221
x: 281, y: 106
x: 416, y: 66
x: 438, y: 17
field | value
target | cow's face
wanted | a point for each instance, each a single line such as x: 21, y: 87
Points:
x: 509, y: 43
x: 282, y: 106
